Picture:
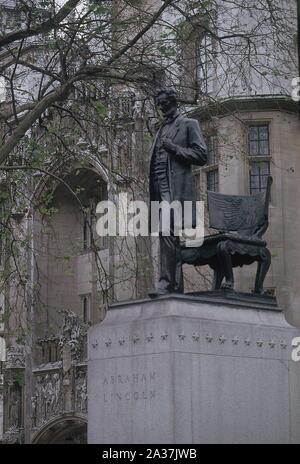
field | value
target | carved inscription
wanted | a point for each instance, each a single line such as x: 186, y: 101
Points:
x: 133, y: 387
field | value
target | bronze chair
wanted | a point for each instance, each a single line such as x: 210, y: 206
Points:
x: 241, y: 222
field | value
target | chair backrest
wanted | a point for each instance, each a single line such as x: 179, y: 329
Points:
x: 236, y: 213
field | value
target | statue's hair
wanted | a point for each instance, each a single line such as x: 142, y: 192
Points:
x: 171, y: 93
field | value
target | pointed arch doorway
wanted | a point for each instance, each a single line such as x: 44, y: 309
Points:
x: 66, y: 429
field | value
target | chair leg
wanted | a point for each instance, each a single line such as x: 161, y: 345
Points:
x: 262, y: 269
x: 225, y: 264
x: 218, y: 278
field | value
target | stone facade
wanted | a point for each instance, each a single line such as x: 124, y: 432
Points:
x: 58, y: 387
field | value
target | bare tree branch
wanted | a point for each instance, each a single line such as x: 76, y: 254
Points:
x: 44, y: 27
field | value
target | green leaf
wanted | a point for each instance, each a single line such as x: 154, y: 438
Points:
x: 101, y: 109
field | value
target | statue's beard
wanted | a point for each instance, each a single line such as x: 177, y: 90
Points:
x: 169, y: 111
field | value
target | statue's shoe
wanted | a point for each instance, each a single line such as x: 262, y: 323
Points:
x: 156, y: 293
x: 227, y: 286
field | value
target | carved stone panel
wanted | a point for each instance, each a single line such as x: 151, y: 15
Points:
x: 47, y: 400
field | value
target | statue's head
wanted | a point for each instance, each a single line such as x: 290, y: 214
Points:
x: 166, y: 100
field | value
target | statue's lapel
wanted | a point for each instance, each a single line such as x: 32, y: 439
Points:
x: 174, y: 128
x: 172, y: 132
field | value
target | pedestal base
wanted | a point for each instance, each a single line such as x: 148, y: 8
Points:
x: 193, y: 369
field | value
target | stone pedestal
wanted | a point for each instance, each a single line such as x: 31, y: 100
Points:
x: 205, y: 368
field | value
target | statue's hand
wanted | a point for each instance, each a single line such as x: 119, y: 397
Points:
x: 168, y: 145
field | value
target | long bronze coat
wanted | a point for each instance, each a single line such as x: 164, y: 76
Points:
x: 186, y: 134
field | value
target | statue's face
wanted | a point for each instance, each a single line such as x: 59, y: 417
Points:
x: 165, y: 103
